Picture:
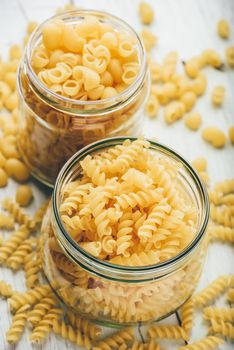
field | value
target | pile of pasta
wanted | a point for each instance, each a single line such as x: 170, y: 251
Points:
x: 90, y: 60
x: 177, y: 93
x: 128, y: 207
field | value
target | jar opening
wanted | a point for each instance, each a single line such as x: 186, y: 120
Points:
x: 101, y: 105
x: 69, y: 171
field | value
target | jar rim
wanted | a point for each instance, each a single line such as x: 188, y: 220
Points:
x: 122, y: 96
x: 161, y: 267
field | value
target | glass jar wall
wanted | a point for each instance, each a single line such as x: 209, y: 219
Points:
x: 114, y: 294
x: 54, y: 127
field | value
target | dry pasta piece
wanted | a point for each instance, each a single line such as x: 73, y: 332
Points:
x: 115, y: 340
x: 146, y: 13
x: 68, y: 332
x: 231, y: 134
x: 230, y: 295
x: 192, y: 67
x: 174, y: 111
x: 220, y: 327
x: 44, y: 327
x: 225, y: 187
x: 17, y: 169
x: 222, y: 233
x: 5, y: 290
x: 6, y: 221
x: 208, y: 343
x: 84, y: 325
x: 149, y: 39
x: 30, y: 297
x: 212, y: 291
x: 193, y: 121
x: 200, y: 164
x: 10, y: 245
x: 188, y: 98
x: 16, y: 260
x: 222, y: 216
x: 214, y: 136
x: 18, y: 214
x: 223, y: 28
x: 152, y: 106
x: 217, y: 95
x: 31, y: 268
x: 230, y: 56
x: 224, y: 314
x: 24, y: 195
x: 39, y: 311
x: 18, y: 324
x: 187, y: 314
x: 3, y: 178
x: 212, y: 58
x: 168, y: 331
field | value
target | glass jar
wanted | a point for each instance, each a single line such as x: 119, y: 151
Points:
x: 114, y: 294
x: 54, y: 127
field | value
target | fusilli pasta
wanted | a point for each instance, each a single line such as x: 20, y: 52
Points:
x: 169, y: 332
x: 18, y: 323
x: 208, y: 343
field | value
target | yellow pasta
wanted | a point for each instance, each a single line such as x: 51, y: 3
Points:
x: 17, y: 213
x: 168, y: 331
x: 208, y: 343
x: 200, y: 164
x: 16, y: 260
x: 222, y: 233
x: 223, y: 28
x: 187, y: 314
x: 18, y: 324
x: 217, y: 96
x: 193, y: 120
x: 231, y: 134
x: 214, y: 136
x: 115, y: 340
x: 84, y: 325
x: 68, y: 332
x: 41, y: 309
x: 212, y: 291
x: 31, y: 267
x: 5, y: 290
x: 224, y: 328
x: 230, y: 56
x: 223, y: 216
x: 17, y: 169
x: 230, y: 295
x: 6, y: 221
x: 146, y: 13
x: 23, y: 195
x: 224, y: 314
x: 10, y: 245
x: 30, y: 297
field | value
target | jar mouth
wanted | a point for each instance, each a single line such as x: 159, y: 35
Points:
x: 72, y: 246
x: 56, y: 98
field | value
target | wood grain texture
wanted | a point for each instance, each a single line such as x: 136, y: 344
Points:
x: 187, y: 26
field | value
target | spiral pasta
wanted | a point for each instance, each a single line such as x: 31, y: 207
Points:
x: 225, y: 187
x: 41, y: 309
x: 223, y: 216
x: 212, y: 291
x: 86, y: 327
x: 224, y: 314
x: 44, y: 327
x: 169, y: 332
x: 16, y: 260
x: 187, y: 314
x: 31, y: 268
x: 222, y: 233
x: 115, y: 340
x: 208, y: 343
x: 68, y: 332
x: 12, y: 243
x: 5, y: 290
x: 220, y: 327
x: 18, y: 214
x: 6, y: 221
x: 30, y: 297
x: 18, y: 324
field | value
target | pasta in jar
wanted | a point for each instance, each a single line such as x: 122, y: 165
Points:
x: 83, y: 77
x: 123, y: 240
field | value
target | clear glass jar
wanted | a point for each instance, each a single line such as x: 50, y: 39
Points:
x: 54, y: 127
x: 113, y: 294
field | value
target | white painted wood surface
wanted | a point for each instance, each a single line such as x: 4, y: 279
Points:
x: 187, y: 26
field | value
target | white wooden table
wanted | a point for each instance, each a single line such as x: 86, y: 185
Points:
x: 187, y: 26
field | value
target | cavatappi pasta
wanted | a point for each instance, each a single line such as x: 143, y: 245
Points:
x: 85, y: 79
x: 127, y: 209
